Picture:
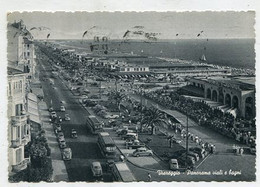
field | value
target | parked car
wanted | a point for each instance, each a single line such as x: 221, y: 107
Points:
x: 74, y: 133
x: 111, y: 116
x: 190, y: 161
x: 57, y: 127
x: 120, y: 129
x: 182, y: 152
x: 201, y: 152
x: 174, y: 165
x: 60, y: 135
x: 53, y: 114
x: 134, y: 144
x: 130, y: 136
x: 124, y: 132
x: 50, y: 109
x: 67, y: 117
x: 142, y: 151
x: 96, y: 169
x: 62, y: 144
x: 62, y: 108
x: 66, y: 154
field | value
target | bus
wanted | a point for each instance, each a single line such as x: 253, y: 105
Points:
x: 122, y: 173
x: 94, y: 125
x: 106, y: 145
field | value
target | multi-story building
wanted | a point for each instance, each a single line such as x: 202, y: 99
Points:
x: 234, y: 92
x: 130, y: 69
x: 189, y: 70
x: 21, y: 68
x: 18, y: 124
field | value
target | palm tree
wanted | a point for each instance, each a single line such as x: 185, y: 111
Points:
x: 118, y: 97
x: 153, y: 118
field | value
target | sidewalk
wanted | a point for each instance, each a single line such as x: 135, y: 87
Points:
x: 58, y: 165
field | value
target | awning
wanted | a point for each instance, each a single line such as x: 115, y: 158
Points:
x: 32, y: 97
x: 32, y: 104
x: 33, y: 111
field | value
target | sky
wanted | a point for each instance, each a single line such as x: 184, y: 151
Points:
x: 66, y: 25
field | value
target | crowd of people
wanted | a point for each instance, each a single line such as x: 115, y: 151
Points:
x: 203, y: 114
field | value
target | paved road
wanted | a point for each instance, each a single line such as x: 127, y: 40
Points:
x: 84, y: 148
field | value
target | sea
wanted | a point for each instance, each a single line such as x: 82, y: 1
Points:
x: 236, y: 53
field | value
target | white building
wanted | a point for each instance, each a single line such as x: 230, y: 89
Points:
x: 21, y: 68
x: 131, y: 69
x: 18, y: 124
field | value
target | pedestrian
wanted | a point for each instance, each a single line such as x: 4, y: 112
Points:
x: 149, y: 177
x: 211, y: 149
x: 241, y: 151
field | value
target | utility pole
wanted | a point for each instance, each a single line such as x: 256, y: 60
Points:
x: 187, y: 139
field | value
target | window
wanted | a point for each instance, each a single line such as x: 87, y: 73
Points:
x: 28, y: 54
x: 18, y: 156
x: 18, y: 132
x: 24, y: 54
x: 22, y: 131
x: 128, y: 69
x: 18, y: 109
x: 10, y: 88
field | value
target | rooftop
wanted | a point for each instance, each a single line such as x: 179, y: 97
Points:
x: 243, y: 83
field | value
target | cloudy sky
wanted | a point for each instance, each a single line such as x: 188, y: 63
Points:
x: 186, y: 24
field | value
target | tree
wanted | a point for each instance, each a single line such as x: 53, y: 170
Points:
x: 38, y: 154
x: 153, y: 118
x: 118, y: 97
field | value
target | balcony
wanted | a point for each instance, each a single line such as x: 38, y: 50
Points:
x: 16, y: 120
x: 20, y: 166
x: 15, y: 143
x: 26, y: 139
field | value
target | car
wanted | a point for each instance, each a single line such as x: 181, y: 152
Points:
x: 96, y: 169
x: 200, y: 151
x: 130, y: 136
x: 57, y: 127
x: 74, y: 133
x: 67, y: 118
x: 182, y: 153
x: 111, y: 116
x: 190, y: 161
x: 60, y: 134
x: 120, y: 129
x: 142, y: 151
x: 66, y: 153
x: 62, y: 144
x: 53, y: 114
x: 62, y: 108
x: 124, y: 132
x: 50, y: 109
x: 134, y: 144
x: 174, y: 165
x: 73, y: 88
x: 61, y: 138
